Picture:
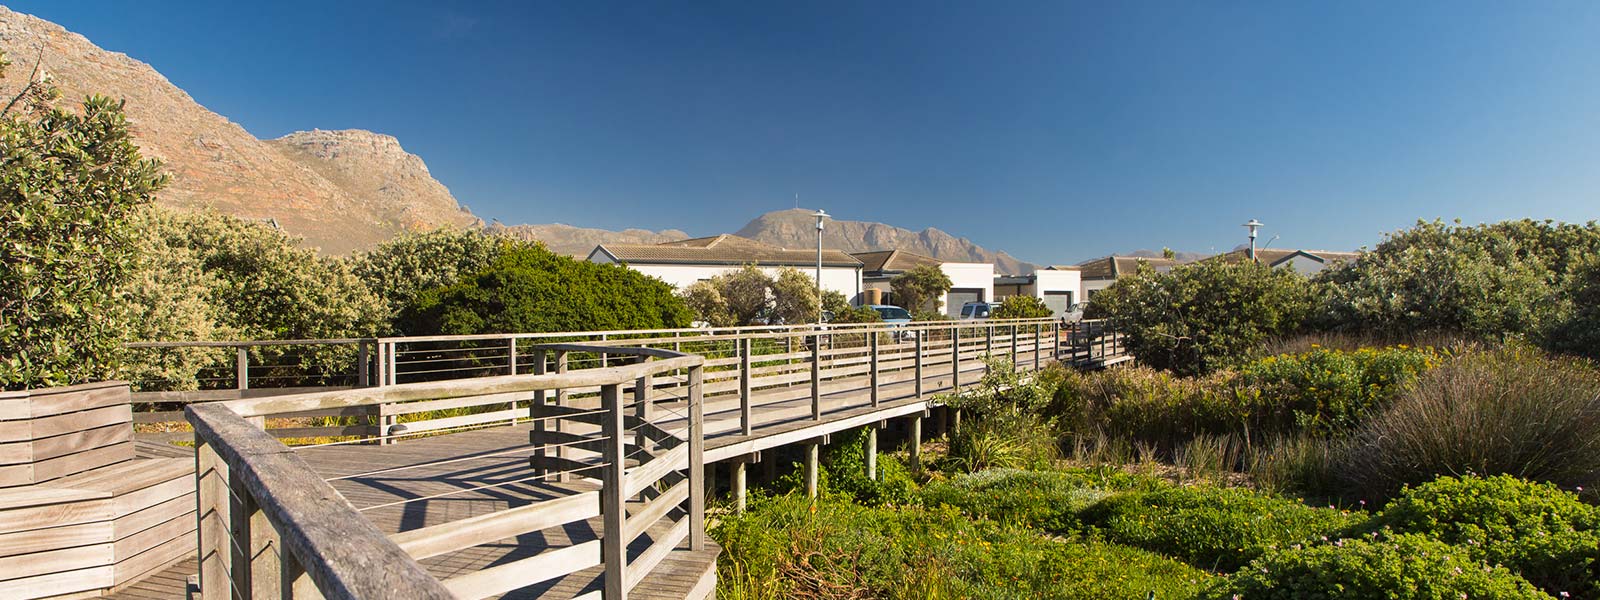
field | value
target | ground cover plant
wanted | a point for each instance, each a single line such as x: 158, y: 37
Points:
x: 1400, y: 567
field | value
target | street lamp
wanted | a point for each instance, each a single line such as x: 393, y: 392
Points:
x: 820, y: 215
x: 1253, y: 225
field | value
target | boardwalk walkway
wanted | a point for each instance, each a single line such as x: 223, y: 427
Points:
x: 427, y: 482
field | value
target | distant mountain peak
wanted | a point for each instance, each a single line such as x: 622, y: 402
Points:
x: 796, y: 228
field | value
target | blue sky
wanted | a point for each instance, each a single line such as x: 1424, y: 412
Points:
x: 1057, y: 131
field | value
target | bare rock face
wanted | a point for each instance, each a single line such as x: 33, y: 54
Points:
x: 332, y: 200
x: 580, y: 241
x: 796, y: 228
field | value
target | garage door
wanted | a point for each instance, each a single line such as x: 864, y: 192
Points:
x: 960, y: 296
x: 1058, y: 302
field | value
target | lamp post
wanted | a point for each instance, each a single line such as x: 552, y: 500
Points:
x: 820, y: 215
x: 1253, y: 225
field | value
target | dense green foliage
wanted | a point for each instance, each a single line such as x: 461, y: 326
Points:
x: 400, y: 269
x: 1400, y: 567
x: 1003, y: 425
x: 1579, y: 332
x: 789, y: 547
x: 1045, y: 500
x: 530, y: 289
x: 1512, y: 411
x: 1491, y: 281
x: 918, y: 290
x: 1212, y: 528
x: 1537, y: 530
x: 1021, y: 307
x: 749, y: 296
x: 845, y: 465
x: 1326, y: 391
x: 70, y: 182
x: 1204, y: 316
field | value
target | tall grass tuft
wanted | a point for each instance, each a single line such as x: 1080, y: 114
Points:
x: 1512, y: 411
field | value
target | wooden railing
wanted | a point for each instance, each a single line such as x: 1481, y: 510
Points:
x: 270, y: 526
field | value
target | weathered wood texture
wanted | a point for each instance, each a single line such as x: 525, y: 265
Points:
x: 94, y: 518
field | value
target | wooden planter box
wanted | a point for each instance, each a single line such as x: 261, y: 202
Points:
x: 79, y: 514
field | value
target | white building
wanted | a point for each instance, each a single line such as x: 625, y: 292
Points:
x: 1098, y: 274
x: 684, y: 262
x: 1058, y: 286
x: 969, y: 282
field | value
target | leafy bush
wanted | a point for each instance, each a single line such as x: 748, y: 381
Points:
x: 1208, y: 315
x: 749, y: 296
x: 1512, y: 411
x: 400, y: 269
x: 1021, y: 307
x: 1210, y: 527
x: 1545, y: 534
x: 918, y: 290
x: 1326, y: 391
x: 1579, y: 332
x: 530, y: 289
x: 789, y: 547
x: 1401, y: 567
x: 1003, y: 426
x: 845, y: 462
x: 1489, y: 281
x: 70, y: 184
x: 1047, y: 500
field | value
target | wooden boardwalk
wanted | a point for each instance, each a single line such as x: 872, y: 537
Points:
x: 430, y: 481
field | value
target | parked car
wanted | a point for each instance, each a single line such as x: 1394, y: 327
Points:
x: 894, y: 315
x: 976, y: 310
x: 1074, y: 314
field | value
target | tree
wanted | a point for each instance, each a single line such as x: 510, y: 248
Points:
x: 528, y: 288
x: 1204, y: 316
x: 1579, y: 332
x: 1022, y: 307
x: 834, y: 301
x: 794, y: 298
x: 70, y: 183
x: 1487, y: 281
x: 705, y: 301
x: 918, y: 290
x: 399, y: 269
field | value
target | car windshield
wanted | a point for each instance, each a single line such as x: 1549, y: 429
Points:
x: 890, y: 313
x: 966, y: 311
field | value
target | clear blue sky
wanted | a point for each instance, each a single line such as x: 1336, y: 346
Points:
x: 1055, y: 130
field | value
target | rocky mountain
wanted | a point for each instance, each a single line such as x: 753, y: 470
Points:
x: 796, y: 228
x: 341, y: 191
x: 579, y: 241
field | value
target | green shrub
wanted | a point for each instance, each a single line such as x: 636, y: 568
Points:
x: 1545, y: 534
x: 1047, y: 500
x: 1400, y: 567
x: 918, y: 289
x: 1021, y: 307
x: 400, y: 269
x: 1327, y: 391
x: 1153, y: 407
x: 1579, y: 331
x: 1512, y: 411
x: 530, y: 289
x: 1301, y: 464
x: 789, y: 547
x: 70, y: 184
x: 1201, y: 317
x: 1002, y: 423
x: 1210, y: 527
x: 845, y: 462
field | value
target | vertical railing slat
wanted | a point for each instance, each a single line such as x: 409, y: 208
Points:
x: 613, y: 548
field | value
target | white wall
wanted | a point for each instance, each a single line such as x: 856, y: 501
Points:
x: 968, y: 275
x: 1090, y: 285
x: 1303, y: 265
x: 1057, y: 281
x: 844, y: 280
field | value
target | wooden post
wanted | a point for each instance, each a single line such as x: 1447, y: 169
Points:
x: 745, y: 424
x: 394, y: 363
x: 873, y: 348
x: 697, y: 458
x: 816, y: 377
x: 955, y: 359
x: 872, y: 452
x: 918, y: 350
x: 1013, y: 348
x: 603, y: 339
x: 988, y: 341
x: 561, y: 400
x: 380, y: 368
x: 916, y: 443
x: 537, y: 413
x: 813, y: 454
x: 642, y: 410
x: 363, y: 369
x: 613, y: 548
x: 1038, y: 331
x: 241, y: 367
x: 1055, y: 341
x: 738, y: 485
x: 213, y: 522
x: 511, y: 359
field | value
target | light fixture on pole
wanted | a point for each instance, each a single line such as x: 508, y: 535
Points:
x: 1253, y: 225
x: 820, y: 215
